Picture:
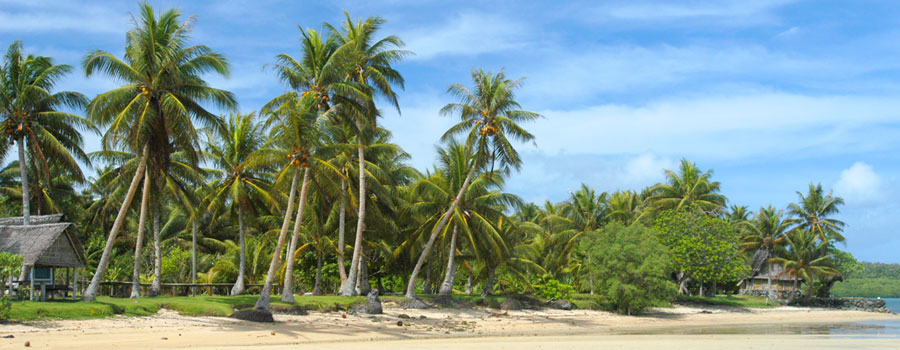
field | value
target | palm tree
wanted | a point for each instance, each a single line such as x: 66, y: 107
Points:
x: 153, y: 113
x: 368, y: 62
x: 814, y: 210
x: 489, y: 115
x: 624, y: 207
x: 243, y: 188
x: 30, y: 116
x: 294, y: 138
x: 806, y: 257
x: 765, y: 235
x: 688, y: 187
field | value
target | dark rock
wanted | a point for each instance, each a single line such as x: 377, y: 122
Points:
x: 511, y: 304
x: 400, y: 323
x: 857, y: 304
x: 254, y: 315
x: 560, y: 304
x: 422, y: 317
x: 8, y: 336
x: 374, y: 303
x: 414, y: 304
x: 403, y: 316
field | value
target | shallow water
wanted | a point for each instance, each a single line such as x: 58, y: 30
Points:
x: 893, y: 304
x: 867, y: 329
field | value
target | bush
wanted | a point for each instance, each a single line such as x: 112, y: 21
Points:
x: 550, y: 288
x: 9, y: 265
x: 627, y: 267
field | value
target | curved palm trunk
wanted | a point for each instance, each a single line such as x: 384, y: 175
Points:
x: 287, y: 290
x: 342, y: 219
x: 194, y: 255
x: 157, y: 255
x: 411, y: 285
x: 23, y: 173
x: 266, y: 293
x: 447, y: 286
x: 238, y: 287
x: 90, y: 294
x: 350, y: 287
x: 139, y: 242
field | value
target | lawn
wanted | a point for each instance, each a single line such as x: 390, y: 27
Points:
x: 745, y: 301
x: 194, y: 306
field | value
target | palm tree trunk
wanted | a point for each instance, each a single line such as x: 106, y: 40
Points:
x: 342, y: 219
x: 23, y: 173
x: 317, y: 290
x: 139, y: 242
x: 350, y: 287
x: 90, y: 294
x: 469, y: 284
x: 362, y: 282
x: 447, y: 287
x: 411, y: 286
x: 287, y: 290
x: 265, y: 294
x: 157, y: 255
x: 194, y: 254
x: 238, y: 287
x: 489, y: 287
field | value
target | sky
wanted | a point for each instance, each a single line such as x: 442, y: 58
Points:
x: 771, y: 95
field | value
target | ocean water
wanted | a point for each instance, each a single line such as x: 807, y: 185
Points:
x: 893, y: 304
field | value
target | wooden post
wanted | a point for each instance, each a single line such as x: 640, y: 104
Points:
x: 75, y: 283
x: 31, y: 280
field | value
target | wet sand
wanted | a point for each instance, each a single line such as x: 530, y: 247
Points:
x: 678, y: 327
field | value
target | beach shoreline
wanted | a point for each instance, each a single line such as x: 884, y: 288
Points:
x: 402, y: 327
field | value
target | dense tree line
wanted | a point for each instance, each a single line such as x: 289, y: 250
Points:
x: 272, y: 196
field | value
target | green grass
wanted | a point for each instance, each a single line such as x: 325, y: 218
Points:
x: 193, y: 306
x: 745, y: 301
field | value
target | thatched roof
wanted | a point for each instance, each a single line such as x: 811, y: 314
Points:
x: 763, y: 269
x: 51, y: 245
x: 35, y: 219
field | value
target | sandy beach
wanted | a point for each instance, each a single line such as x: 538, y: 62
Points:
x: 678, y: 327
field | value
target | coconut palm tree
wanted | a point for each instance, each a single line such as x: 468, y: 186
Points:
x: 624, y: 207
x: 814, y: 210
x: 294, y: 138
x: 686, y: 188
x: 153, y: 114
x: 31, y: 116
x: 804, y: 256
x: 368, y: 62
x: 243, y: 188
x: 490, y: 115
x: 765, y: 235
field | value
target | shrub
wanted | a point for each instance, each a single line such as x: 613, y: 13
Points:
x: 9, y: 265
x: 627, y: 267
x: 550, y: 288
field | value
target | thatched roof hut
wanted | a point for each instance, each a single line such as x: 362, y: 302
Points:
x: 765, y: 275
x: 47, y: 244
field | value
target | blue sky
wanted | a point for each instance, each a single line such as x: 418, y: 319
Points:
x: 772, y: 95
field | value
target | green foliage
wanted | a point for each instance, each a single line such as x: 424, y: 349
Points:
x: 176, y: 265
x: 9, y: 265
x: 876, y: 270
x: 703, y: 246
x: 549, y: 288
x: 867, y: 288
x: 746, y: 301
x: 627, y: 267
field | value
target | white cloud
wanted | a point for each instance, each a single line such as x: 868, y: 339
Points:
x: 859, y: 184
x: 733, y: 12
x: 724, y: 127
x: 43, y: 16
x: 465, y: 34
x: 645, y: 169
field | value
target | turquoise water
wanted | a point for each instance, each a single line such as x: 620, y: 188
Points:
x: 893, y: 304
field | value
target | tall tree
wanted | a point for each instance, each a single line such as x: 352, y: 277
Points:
x: 689, y: 188
x: 490, y: 115
x: 815, y: 210
x: 153, y: 114
x: 369, y: 61
x: 804, y: 256
x: 34, y: 117
x: 243, y: 188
